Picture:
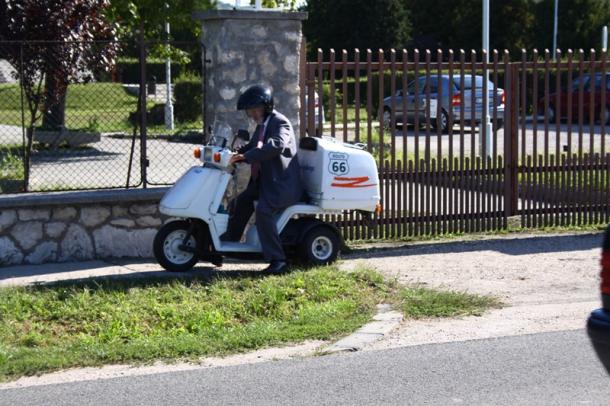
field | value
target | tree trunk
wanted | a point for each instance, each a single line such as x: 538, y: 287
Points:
x: 56, y: 88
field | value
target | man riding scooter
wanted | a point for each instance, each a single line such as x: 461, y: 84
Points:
x: 275, y: 175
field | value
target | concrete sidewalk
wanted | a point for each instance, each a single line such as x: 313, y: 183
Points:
x: 119, y: 268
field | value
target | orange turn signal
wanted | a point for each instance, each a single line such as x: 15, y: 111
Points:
x: 197, y: 152
x: 217, y: 157
x: 378, y: 208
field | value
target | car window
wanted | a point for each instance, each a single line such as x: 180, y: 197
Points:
x: 447, y: 84
x: 577, y: 80
x: 421, y: 83
x: 598, y: 82
x: 433, y: 85
x: 468, y: 82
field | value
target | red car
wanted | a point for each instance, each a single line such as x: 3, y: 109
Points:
x: 598, y: 325
x: 564, y: 108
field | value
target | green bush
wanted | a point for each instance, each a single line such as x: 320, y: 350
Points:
x: 189, y: 98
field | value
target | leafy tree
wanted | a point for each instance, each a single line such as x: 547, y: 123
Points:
x: 580, y: 23
x: 291, y: 4
x: 53, y: 46
x: 457, y: 24
x: 150, y: 16
x: 349, y: 24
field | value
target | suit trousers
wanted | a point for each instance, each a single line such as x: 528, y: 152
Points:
x: 242, y: 210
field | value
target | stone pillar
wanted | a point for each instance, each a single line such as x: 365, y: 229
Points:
x: 247, y: 47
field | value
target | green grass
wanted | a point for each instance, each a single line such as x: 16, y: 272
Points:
x: 44, y: 328
x: 421, y: 302
x: 351, y: 115
x: 107, y: 105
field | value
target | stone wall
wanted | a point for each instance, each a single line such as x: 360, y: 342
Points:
x: 70, y: 227
x: 247, y: 47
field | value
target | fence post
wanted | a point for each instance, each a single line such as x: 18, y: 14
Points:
x: 302, y: 89
x: 142, y: 105
x: 511, y: 163
x: 26, y: 156
x: 204, y: 91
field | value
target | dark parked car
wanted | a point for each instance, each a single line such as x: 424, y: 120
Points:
x: 598, y: 325
x: 471, y: 91
x: 587, y: 85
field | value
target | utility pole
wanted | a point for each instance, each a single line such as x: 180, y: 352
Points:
x: 555, y: 30
x: 169, y: 107
x: 485, y: 119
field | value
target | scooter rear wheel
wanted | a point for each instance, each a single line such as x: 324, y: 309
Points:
x: 166, y: 247
x: 320, y: 246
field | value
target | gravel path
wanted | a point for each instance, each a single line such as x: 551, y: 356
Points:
x: 548, y: 283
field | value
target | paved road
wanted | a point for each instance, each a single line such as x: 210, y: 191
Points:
x: 543, y: 369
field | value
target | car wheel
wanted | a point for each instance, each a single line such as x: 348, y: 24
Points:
x: 443, y: 121
x: 320, y: 246
x: 606, y: 116
x: 499, y: 124
x: 551, y: 114
x: 166, y: 247
x: 387, y: 117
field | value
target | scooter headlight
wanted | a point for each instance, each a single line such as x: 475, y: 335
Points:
x: 197, y: 152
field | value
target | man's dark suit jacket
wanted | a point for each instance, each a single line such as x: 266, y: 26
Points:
x: 280, y: 177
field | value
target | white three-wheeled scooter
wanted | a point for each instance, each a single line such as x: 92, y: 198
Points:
x: 337, y: 176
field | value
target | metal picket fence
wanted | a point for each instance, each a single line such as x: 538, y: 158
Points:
x: 545, y: 155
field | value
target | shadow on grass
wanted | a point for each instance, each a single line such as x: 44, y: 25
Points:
x: 199, y: 275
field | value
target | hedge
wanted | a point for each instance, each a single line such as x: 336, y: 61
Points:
x: 189, y: 98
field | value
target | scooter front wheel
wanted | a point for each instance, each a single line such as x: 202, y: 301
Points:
x: 172, y: 251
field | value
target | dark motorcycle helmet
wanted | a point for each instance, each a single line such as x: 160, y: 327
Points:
x: 255, y: 96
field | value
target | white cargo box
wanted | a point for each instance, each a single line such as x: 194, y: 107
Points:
x: 337, y: 175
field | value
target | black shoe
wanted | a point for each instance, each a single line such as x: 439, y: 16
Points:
x: 276, y: 268
x: 214, y: 259
x: 217, y: 261
x: 226, y: 237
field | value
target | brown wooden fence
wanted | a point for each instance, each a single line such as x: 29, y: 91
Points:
x: 545, y: 154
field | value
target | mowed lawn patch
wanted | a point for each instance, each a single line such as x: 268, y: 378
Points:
x: 107, y: 104
x: 45, y: 328
x: 110, y: 321
x: 102, y: 106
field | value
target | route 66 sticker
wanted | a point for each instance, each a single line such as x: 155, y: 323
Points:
x: 337, y: 164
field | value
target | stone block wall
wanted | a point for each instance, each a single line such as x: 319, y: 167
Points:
x: 248, y: 47
x: 80, y: 228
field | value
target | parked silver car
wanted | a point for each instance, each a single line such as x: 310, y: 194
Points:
x: 461, y: 99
